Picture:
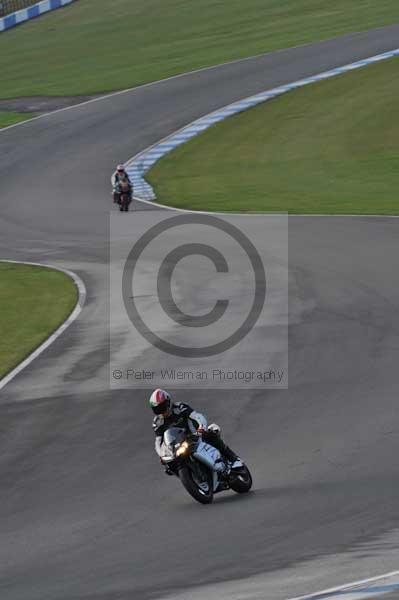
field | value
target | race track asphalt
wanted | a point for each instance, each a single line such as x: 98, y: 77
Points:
x: 85, y: 511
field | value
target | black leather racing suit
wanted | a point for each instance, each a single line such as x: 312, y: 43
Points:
x: 182, y: 415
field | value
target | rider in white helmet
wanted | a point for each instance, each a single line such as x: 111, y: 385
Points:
x: 169, y: 414
x: 119, y: 175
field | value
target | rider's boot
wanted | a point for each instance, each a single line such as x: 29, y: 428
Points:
x: 227, y: 453
x: 231, y: 456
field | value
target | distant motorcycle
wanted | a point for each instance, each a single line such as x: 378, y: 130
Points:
x: 124, y: 191
x: 200, y: 467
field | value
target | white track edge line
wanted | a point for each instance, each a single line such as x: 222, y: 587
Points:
x: 263, y: 214
x: 187, y: 73
x: 171, y: 78
x: 53, y: 336
x: 347, y: 586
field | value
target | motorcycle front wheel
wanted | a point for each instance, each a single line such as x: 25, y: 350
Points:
x: 202, y: 491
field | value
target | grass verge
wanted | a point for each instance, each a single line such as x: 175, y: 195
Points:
x: 34, y: 301
x: 101, y: 45
x: 329, y: 148
x: 10, y: 118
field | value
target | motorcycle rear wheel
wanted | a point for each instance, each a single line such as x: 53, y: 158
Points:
x: 201, y: 495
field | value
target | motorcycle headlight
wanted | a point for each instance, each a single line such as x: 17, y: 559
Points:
x: 182, y: 449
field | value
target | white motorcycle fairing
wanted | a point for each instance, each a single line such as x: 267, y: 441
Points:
x: 210, y: 456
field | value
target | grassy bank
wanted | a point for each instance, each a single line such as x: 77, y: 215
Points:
x: 331, y: 147
x: 34, y: 301
x: 10, y: 118
x: 97, y: 45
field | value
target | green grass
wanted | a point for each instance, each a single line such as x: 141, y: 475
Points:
x: 330, y: 147
x: 102, y: 45
x: 34, y: 301
x: 10, y: 118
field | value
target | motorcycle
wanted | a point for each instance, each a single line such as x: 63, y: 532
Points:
x: 200, y: 467
x: 125, y: 195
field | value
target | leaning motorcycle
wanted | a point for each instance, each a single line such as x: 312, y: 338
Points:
x: 200, y: 467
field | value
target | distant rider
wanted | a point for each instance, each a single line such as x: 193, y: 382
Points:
x: 117, y: 177
x: 171, y: 414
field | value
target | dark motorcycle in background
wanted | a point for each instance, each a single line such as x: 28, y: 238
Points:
x: 123, y: 193
x: 200, y: 467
